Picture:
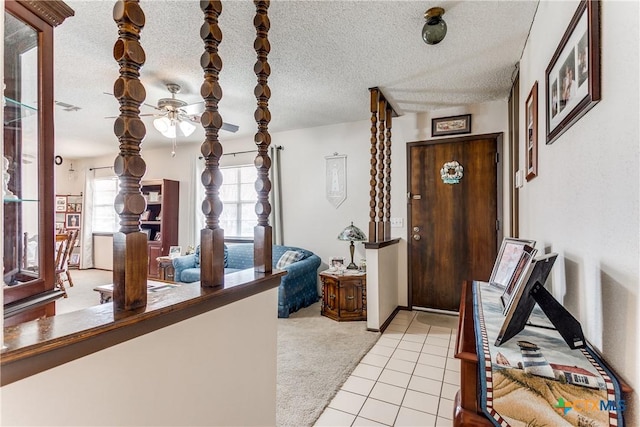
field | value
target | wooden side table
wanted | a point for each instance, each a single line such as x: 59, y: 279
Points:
x: 344, y: 297
x: 165, y: 269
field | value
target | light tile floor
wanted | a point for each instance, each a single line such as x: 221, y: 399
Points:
x: 408, y: 378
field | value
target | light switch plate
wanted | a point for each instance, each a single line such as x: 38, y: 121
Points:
x: 396, y: 222
x: 519, y: 179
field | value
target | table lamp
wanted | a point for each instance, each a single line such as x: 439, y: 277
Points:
x: 352, y: 234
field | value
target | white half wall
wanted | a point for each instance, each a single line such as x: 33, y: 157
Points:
x: 382, y: 287
x: 218, y: 368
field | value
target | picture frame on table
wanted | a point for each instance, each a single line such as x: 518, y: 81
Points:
x: 507, y: 260
x: 175, y: 251
x: 572, y: 78
x: 522, y: 302
x: 337, y: 262
x: 158, y: 236
x: 454, y: 125
x: 519, y: 274
x: 61, y: 203
x: 72, y: 221
x: 74, y: 259
x: 531, y: 126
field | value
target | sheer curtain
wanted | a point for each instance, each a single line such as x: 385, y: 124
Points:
x: 197, y: 197
x: 276, y: 196
x: 86, y: 245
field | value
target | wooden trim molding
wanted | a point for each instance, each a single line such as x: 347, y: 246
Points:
x: 53, y: 11
x: 43, y: 344
x: 380, y: 245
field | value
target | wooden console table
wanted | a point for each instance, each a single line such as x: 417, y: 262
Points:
x: 468, y: 410
x: 165, y: 269
x: 344, y: 296
x: 106, y: 291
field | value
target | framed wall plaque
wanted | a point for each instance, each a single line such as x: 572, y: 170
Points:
x: 454, y: 125
x: 573, y: 75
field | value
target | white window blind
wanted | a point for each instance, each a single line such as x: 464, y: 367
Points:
x: 239, y: 197
x: 104, y: 217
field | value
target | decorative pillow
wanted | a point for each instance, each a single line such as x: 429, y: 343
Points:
x: 198, y: 256
x: 289, y: 257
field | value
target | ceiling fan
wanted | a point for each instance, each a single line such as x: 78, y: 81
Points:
x: 175, y: 114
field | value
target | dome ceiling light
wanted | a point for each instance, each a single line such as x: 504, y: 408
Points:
x: 435, y: 28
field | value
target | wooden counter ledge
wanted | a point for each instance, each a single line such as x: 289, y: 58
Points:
x: 42, y: 344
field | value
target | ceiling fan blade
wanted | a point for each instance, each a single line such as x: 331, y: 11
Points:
x: 141, y: 115
x: 230, y: 127
x: 195, y: 108
x: 144, y: 103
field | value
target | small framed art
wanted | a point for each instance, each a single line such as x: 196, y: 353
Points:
x: 454, y: 125
x: 337, y: 262
x: 72, y: 221
x: 158, y: 236
x: 531, y: 125
x: 61, y: 203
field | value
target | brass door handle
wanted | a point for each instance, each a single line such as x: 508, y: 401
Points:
x: 416, y: 237
x: 350, y: 298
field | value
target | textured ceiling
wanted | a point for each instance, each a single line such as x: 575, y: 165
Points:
x: 324, y: 56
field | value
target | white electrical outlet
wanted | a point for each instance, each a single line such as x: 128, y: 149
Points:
x: 396, y: 222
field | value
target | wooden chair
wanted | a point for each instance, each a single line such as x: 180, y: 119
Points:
x: 64, y: 247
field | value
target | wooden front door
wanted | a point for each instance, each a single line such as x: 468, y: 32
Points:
x: 453, y: 227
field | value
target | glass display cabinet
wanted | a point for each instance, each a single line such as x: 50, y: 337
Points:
x: 27, y: 163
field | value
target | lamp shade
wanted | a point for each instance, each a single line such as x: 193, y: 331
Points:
x: 351, y: 233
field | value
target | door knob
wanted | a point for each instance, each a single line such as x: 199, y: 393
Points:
x: 416, y: 237
x: 416, y: 229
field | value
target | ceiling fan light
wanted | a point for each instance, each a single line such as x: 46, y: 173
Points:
x: 162, y: 124
x: 186, y: 127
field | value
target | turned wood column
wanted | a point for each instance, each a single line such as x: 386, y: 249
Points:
x: 382, y: 112
x: 380, y: 180
x: 262, y: 240
x: 130, y: 253
x: 212, y: 236
x: 373, y: 92
x: 387, y: 178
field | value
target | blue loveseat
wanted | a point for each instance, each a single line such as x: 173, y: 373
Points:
x: 298, y: 289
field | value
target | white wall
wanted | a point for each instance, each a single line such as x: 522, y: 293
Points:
x: 584, y: 202
x: 218, y: 368
x: 310, y: 221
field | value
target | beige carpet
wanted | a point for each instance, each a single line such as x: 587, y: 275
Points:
x: 315, y: 357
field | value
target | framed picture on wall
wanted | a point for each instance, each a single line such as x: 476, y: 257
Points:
x: 573, y: 75
x: 454, y: 125
x: 61, y: 203
x: 72, y: 221
x: 531, y: 126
